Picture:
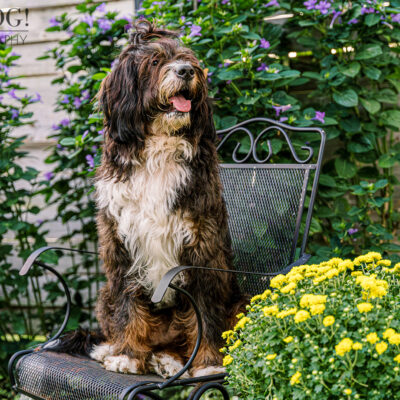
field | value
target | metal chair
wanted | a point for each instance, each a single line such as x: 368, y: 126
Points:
x: 266, y: 202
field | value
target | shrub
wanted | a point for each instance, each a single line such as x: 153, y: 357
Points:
x: 326, y: 331
x: 18, y: 235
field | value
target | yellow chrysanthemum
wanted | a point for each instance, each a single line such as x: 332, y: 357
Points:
x: 242, y: 322
x: 235, y: 345
x: 329, y: 320
x: 348, y: 392
x: 364, y: 307
x: 373, y: 287
x: 317, y: 309
x: 384, y: 263
x: 368, y: 258
x: 286, y: 313
x: 344, y: 346
x: 278, y: 281
x: 265, y: 295
x: 271, y: 356
x: 301, y: 316
x: 271, y: 310
x: 288, y: 339
x: 308, y: 300
x: 357, y: 346
x: 227, y: 360
x: 332, y: 273
x: 345, y: 265
x: 255, y: 298
x: 274, y: 296
x: 397, y: 358
x: 394, y: 339
x: 356, y: 273
x: 295, y: 378
x: 381, y: 347
x: 372, y: 338
x: 388, y: 333
x: 288, y: 288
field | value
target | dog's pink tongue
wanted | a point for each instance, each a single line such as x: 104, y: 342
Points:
x: 180, y: 103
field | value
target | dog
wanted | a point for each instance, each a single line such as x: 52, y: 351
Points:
x: 160, y: 205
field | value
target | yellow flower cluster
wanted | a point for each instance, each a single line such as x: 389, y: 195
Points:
x: 381, y: 347
x: 242, y: 322
x: 227, y: 360
x: 295, y: 378
x: 392, y: 336
x: 372, y: 338
x: 329, y: 320
x: 316, y: 303
x: 288, y: 339
x: 235, y: 345
x: 272, y: 310
x: 368, y: 258
x: 344, y: 346
x: 364, y: 307
x: 373, y: 287
x: 271, y: 356
x: 395, y: 269
x: 301, y: 316
x: 286, y: 313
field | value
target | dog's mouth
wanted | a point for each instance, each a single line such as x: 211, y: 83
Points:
x: 180, y: 102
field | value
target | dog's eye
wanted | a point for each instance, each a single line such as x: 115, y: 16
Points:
x: 155, y: 62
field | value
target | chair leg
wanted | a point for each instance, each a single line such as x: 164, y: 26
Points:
x: 199, y: 391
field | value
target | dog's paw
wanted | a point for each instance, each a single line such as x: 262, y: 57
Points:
x: 210, y: 370
x: 166, y: 366
x: 101, y: 351
x: 121, y: 363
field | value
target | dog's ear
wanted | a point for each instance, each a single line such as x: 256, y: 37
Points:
x: 121, y: 104
x: 203, y: 118
x: 146, y: 31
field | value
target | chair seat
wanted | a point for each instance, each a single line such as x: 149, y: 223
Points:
x: 55, y: 376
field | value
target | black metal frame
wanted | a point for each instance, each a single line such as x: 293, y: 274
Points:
x: 211, y: 381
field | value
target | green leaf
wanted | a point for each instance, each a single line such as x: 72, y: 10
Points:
x: 372, y: 19
x: 345, y: 168
x: 372, y: 73
x: 68, y: 141
x: 387, y: 96
x: 99, y: 76
x: 327, y: 180
x: 368, y: 51
x: 227, y: 75
x: 386, y: 161
x: 372, y: 106
x: 348, y: 98
x: 351, y: 69
x: 391, y: 118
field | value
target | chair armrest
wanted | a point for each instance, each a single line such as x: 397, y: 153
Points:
x: 300, y: 261
x: 34, y: 255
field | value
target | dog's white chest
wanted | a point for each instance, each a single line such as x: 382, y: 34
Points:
x: 143, y: 207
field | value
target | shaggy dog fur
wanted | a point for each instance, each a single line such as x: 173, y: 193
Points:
x: 160, y: 205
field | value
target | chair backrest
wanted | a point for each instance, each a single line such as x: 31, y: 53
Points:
x: 266, y: 200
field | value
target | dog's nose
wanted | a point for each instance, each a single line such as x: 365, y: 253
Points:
x: 184, y: 71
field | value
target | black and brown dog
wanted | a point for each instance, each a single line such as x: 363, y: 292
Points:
x: 160, y: 205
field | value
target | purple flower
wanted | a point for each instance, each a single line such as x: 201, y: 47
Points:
x: 94, y: 149
x: 37, y: 98
x: 90, y: 161
x: 395, y: 18
x: 229, y: 82
x: 101, y: 8
x: 353, y: 21
x: 88, y: 19
x: 65, y: 100
x: 264, y: 44
x: 224, y: 1
x: 64, y: 122
x: 4, y: 36
x: 104, y: 24
x: 53, y: 22
x: 323, y: 7
x: 128, y: 26
x: 319, y: 116
x: 195, y: 30
x: 39, y: 222
x: 283, y: 119
x: 61, y: 148
x: 262, y: 67
x: 85, y: 134
x: 55, y: 127
x: 14, y: 113
x: 77, y: 102
x: 310, y: 4
x: 272, y: 3
x: 365, y: 10
x: 101, y: 132
x: 5, y: 68
x: 182, y: 19
x: 279, y: 109
x: 352, y: 231
x: 48, y: 175
x: 12, y: 94
x: 335, y: 15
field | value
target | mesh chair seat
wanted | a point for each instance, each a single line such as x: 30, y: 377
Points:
x: 54, y: 376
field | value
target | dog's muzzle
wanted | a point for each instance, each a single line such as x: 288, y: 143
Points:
x: 184, y: 71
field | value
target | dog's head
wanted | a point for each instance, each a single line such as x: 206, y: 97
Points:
x: 156, y: 85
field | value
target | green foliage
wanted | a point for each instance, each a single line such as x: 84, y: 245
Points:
x: 327, y: 331
x: 18, y: 234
